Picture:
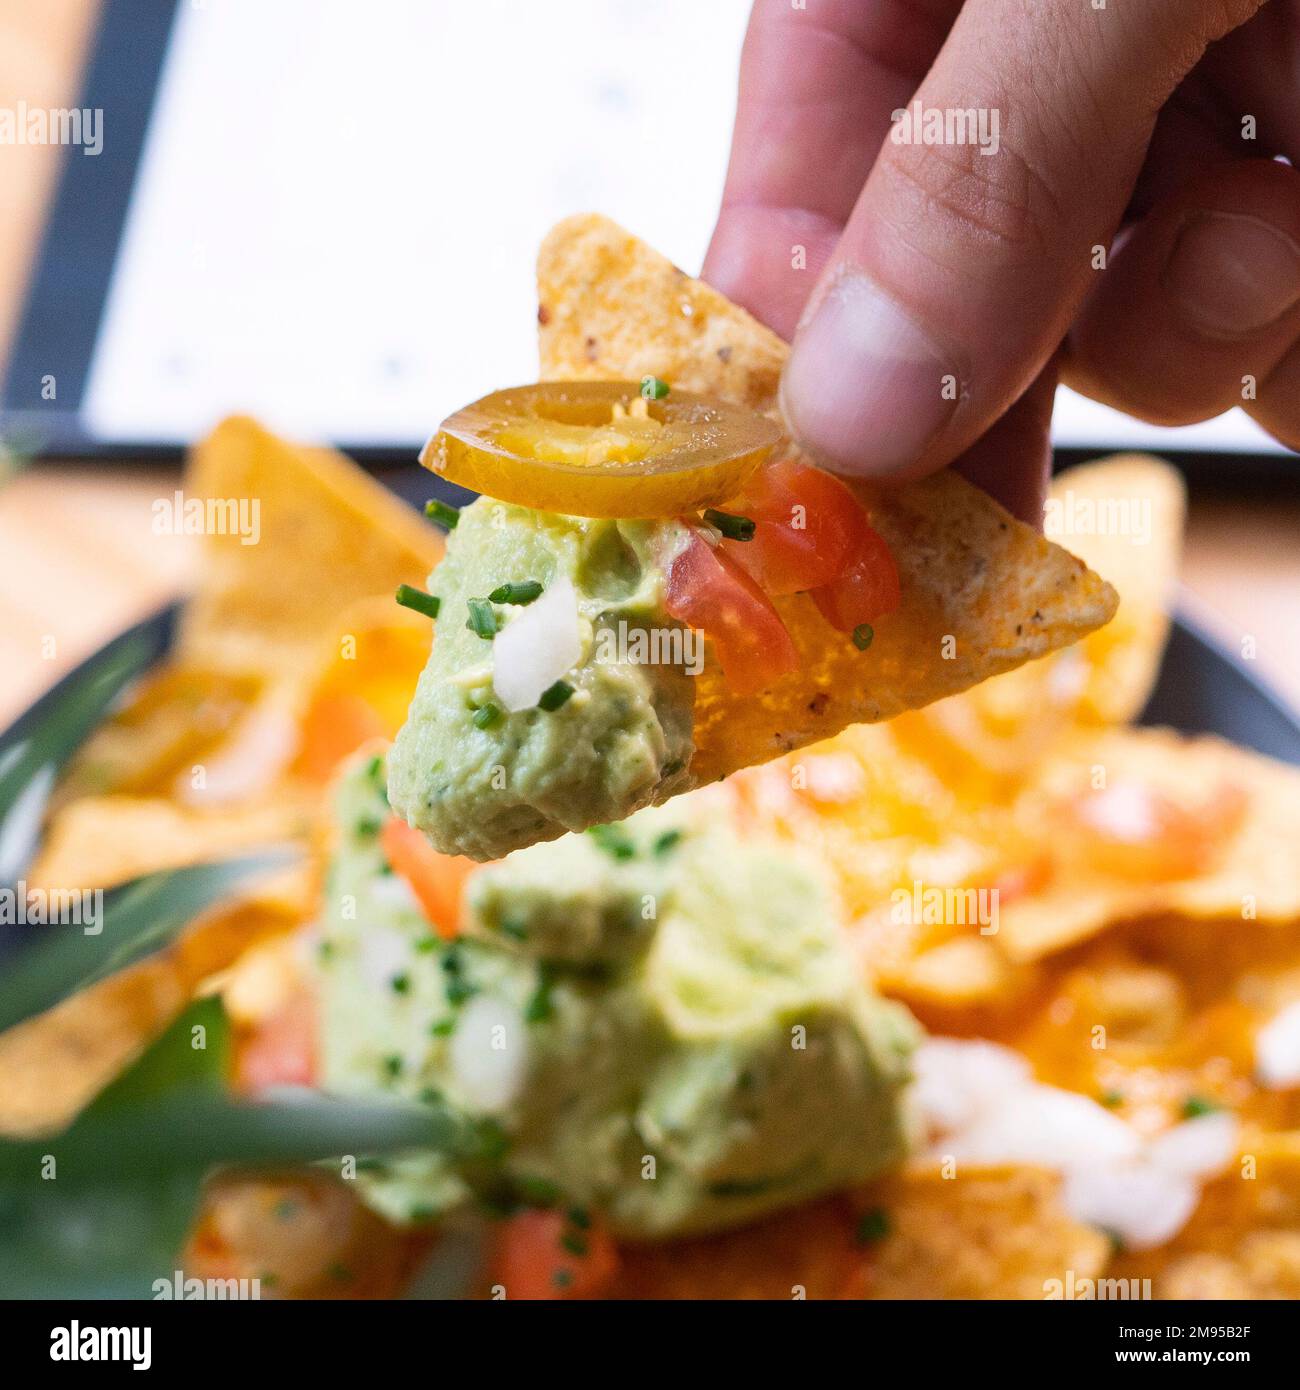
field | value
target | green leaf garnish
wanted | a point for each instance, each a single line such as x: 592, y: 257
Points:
x: 39, y: 745
x: 863, y: 635
x: 138, y: 918
x: 653, y: 388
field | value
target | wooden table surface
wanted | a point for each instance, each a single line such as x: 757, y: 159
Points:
x: 78, y: 560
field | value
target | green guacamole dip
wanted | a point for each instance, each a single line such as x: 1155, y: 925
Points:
x: 662, y: 1019
x: 479, y: 779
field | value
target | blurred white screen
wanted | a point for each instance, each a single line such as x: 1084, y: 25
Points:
x: 339, y: 206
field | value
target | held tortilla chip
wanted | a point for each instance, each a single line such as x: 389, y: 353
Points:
x: 326, y: 535
x: 982, y: 593
x: 1123, y: 516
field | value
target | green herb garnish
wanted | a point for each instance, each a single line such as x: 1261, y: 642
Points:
x: 614, y: 840
x: 539, y: 1008
x: 863, y: 635
x: 482, y: 618
x: 410, y: 597
x: 442, y: 513
x: 735, y: 528
x: 521, y: 594
x: 653, y: 388
x: 872, y: 1226
x: 401, y: 984
x: 554, y: 696
x: 1196, y: 1106
x: 670, y: 839
x: 486, y: 715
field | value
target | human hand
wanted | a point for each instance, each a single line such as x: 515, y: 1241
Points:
x: 1128, y: 226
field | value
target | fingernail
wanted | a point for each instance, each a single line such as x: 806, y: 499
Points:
x: 1229, y: 275
x: 865, y: 389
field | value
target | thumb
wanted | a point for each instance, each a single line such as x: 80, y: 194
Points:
x: 971, y: 245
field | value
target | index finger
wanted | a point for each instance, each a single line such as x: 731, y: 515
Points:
x: 817, y: 86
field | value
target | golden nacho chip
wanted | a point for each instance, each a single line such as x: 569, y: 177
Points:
x: 1149, y: 821
x: 101, y: 841
x: 1243, y: 1241
x: 326, y: 535
x: 55, y: 1063
x: 1124, y: 517
x: 984, y: 1233
x: 364, y: 689
x: 981, y: 592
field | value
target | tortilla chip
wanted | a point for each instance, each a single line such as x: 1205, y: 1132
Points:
x: 56, y: 1063
x: 985, y: 1233
x: 981, y: 593
x: 329, y: 535
x: 101, y: 841
x: 1243, y: 1241
x: 1251, y: 874
x: 807, y: 1252
x: 1124, y: 517
x: 1139, y: 507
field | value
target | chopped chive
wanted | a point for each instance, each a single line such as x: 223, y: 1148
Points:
x: 654, y: 388
x: 538, y: 1192
x: 562, y: 1278
x: 442, y: 513
x: 873, y: 1225
x: 735, y: 528
x: 521, y: 593
x: 442, y: 1028
x: 486, y: 716
x: 393, y: 1065
x: 863, y: 635
x: 580, y: 1217
x: 668, y: 840
x: 614, y: 840
x: 422, y: 1215
x: 401, y: 984
x: 554, y: 696
x: 575, y: 1245
x: 539, y: 1008
x: 514, y: 929
x: 1196, y: 1106
x: 410, y: 597
x: 482, y: 618
x: 458, y: 991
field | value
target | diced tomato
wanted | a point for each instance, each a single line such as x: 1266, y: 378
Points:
x: 282, y: 1051
x: 806, y: 525
x: 437, y: 880
x: 707, y: 589
x: 546, y: 1254
x: 867, y: 590
x: 337, y: 723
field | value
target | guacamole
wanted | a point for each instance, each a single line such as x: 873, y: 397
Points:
x: 662, y: 1019
x: 479, y: 777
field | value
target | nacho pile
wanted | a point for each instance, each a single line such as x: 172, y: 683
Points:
x: 1114, y: 910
